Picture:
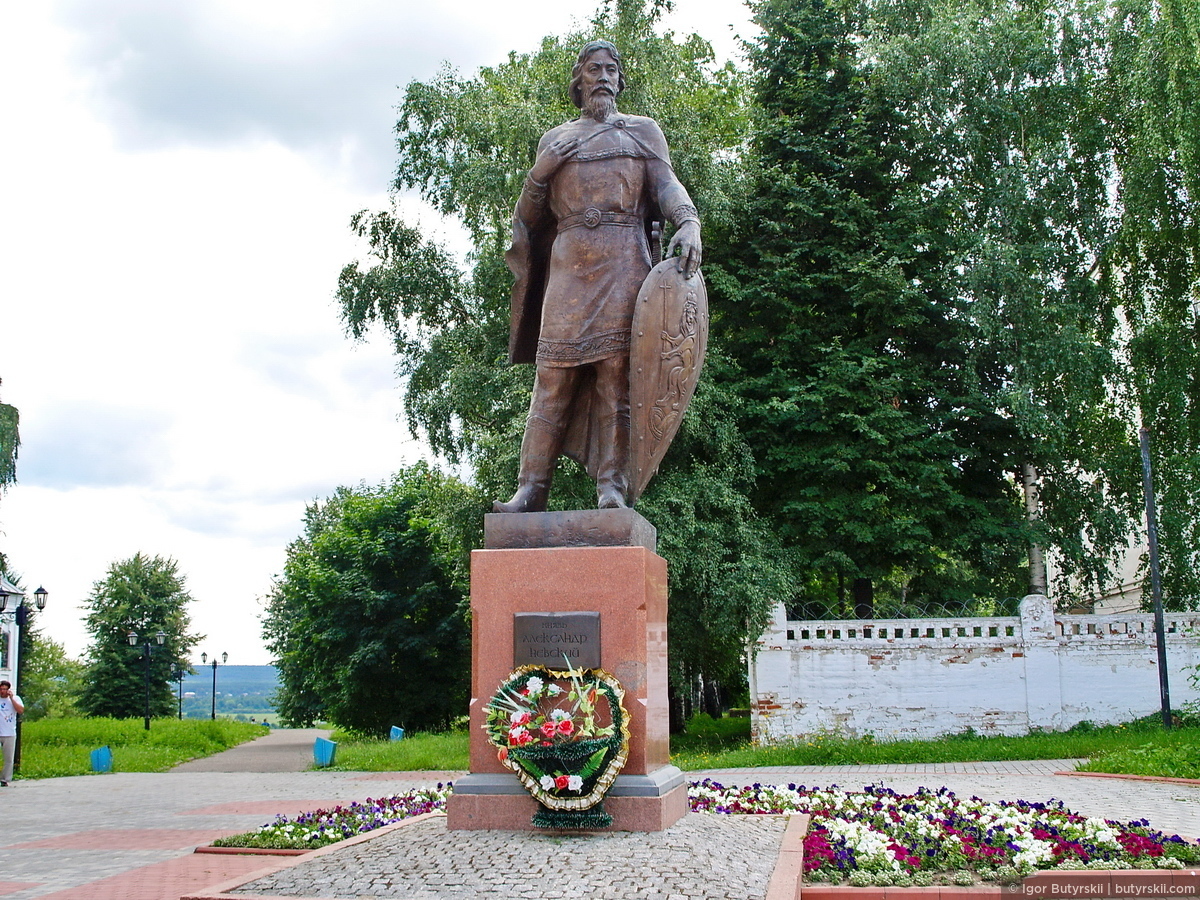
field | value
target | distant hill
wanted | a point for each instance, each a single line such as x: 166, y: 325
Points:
x: 241, y: 691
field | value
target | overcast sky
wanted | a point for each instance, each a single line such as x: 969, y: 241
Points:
x: 176, y: 179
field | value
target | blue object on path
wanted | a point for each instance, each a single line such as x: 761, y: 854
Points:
x: 102, y: 759
x: 397, y: 733
x: 324, y: 751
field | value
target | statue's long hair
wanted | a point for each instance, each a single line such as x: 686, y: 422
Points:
x: 576, y: 88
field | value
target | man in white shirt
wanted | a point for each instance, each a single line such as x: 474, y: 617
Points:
x: 10, y: 707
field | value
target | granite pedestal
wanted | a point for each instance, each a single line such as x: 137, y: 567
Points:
x: 600, y: 561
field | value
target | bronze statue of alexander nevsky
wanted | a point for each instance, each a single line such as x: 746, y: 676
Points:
x: 581, y: 252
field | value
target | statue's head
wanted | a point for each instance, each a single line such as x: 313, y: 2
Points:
x: 576, y: 88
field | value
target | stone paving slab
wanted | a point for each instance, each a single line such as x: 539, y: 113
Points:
x: 127, y: 839
x: 12, y: 887
x: 171, y: 878
x: 283, y: 750
x: 57, y: 808
x: 702, y: 857
x: 62, y: 810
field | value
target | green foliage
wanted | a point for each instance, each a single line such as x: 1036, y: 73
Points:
x: 10, y: 440
x: 51, y: 681
x: 59, y: 747
x: 1000, y: 99
x: 420, y: 752
x: 1151, y: 105
x: 705, y: 736
x: 143, y: 595
x: 465, y: 144
x: 367, y: 624
x: 878, y: 452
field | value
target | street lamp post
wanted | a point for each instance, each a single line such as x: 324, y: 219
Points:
x: 177, y: 675
x: 147, y: 652
x: 224, y: 659
x: 20, y: 617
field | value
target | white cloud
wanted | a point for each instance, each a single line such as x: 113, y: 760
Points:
x: 176, y: 202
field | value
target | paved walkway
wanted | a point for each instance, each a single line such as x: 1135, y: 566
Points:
x: 283, y: 750
x: 131, y: 836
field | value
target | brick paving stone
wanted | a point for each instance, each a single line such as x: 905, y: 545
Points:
x: 13, y: 887
x: 126, y: 839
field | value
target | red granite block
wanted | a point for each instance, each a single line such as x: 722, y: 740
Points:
x: 626, y: 585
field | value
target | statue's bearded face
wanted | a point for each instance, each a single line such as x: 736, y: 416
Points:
x: 598, y: 85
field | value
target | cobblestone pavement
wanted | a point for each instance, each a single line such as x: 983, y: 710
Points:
x: 131, y: 836
x: 427, y: 862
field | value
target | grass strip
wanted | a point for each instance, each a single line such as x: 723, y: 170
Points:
x: 420, y: 752
x: 54, y: 748
x: 1142, y: 747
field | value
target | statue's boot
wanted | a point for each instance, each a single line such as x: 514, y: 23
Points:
x: 612, y: 478
x: 539, y: 454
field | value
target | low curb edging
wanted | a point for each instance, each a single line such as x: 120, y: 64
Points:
x: 252, y: 851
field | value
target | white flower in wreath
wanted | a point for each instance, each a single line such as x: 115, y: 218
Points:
x: 574, y: 783
x: 559, y: 715
x: 553, y: 690
x: 534, y: 685
x: 546, y: 782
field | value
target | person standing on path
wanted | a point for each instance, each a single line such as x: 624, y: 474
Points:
x: 10, y: 707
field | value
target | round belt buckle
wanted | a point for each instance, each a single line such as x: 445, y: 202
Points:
x: 591, y: 217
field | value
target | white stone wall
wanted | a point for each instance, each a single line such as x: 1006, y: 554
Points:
x: 928, y: 677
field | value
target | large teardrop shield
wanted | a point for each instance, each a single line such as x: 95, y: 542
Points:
x: 670, y: 335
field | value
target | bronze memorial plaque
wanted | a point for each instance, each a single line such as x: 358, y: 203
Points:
x: 557, y: 639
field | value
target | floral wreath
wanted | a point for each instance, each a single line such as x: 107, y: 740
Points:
x: 565, y: 746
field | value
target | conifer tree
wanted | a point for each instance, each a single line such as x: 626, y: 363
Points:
x: 878, y: 454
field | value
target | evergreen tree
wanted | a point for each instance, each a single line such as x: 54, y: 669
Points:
x: 143, y: 595
x: 879, y: 456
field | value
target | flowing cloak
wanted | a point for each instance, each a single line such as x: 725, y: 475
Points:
x: 578, y: 271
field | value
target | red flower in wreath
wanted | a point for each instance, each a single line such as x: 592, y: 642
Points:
x: 561, y: 782
x: 566, y: 726
x: 548, y: 729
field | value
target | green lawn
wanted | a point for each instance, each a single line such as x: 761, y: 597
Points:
x: 55, y: 747
x: 415, y: 753
x: 1141, y: 747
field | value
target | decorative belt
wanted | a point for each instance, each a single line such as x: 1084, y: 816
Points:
x: 593, y: 218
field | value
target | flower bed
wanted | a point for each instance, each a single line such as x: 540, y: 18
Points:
x: 879, y: 837
x: 320, y: 827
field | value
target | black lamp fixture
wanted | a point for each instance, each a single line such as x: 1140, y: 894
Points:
x: 224, y: 659
x: 147, y: 652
